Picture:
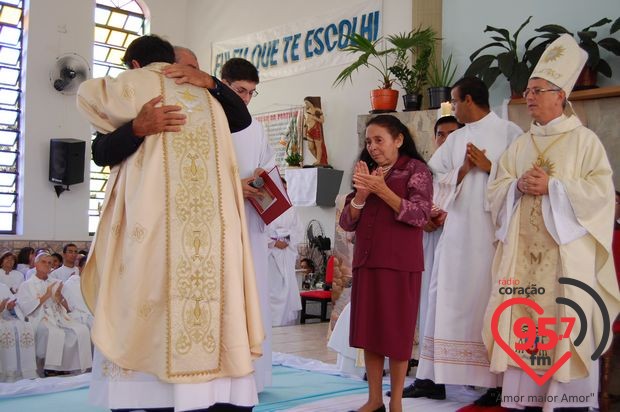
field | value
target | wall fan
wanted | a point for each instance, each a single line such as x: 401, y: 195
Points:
x: 68, y: 72
x: 317, y: 246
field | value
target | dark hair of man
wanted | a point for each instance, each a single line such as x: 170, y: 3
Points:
x: 67, y: 246
x: 310, y: 264
x: 474, y: 87
x: 444, y: 120
x: 148, y: 49
x: 58, y: 256
x: 239, y: 69
x: 394, y: 128
x: 5, y: 255
x: 24, y: 255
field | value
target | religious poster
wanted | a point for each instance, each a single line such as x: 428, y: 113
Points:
x: 282, y: 131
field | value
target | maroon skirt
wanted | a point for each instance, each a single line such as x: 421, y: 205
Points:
x: 384, y: 310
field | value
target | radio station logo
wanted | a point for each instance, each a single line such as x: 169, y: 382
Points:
x: 537, y: 340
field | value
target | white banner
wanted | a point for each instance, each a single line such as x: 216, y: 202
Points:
x: 302, y: 46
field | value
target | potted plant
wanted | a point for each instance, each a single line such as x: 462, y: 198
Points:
x: 514, y: 66
x: 370, y: 55
x: 440, y: 78
x: 414, y: 51
x: 293, y: 159
x: 587, y: 41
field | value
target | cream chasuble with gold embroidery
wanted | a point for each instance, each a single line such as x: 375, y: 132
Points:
x: 169, y: 277
x: 566, y: 233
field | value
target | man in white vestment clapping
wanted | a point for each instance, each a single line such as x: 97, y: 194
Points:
x: 61, y: 343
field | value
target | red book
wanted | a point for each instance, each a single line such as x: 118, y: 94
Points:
x: 274, y: 199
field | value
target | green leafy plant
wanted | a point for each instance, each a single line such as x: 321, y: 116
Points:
x: 515, y: 66
x: 370, y: 55
x: 293, y: 159
x: 441, y: 75
x: 587, y: 41
x: 414, y: 51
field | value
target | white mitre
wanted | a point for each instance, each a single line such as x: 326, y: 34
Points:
x: 561, y: 63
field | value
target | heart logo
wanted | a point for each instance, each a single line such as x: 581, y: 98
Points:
x: 540, y: 380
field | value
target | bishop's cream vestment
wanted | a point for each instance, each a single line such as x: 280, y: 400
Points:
x: 169, y: 277
x: 566, y: 233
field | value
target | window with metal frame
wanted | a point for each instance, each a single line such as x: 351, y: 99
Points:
x: 11, y: 37
x: 117, y: 24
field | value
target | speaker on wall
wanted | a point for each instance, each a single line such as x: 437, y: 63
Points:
x: 67, y: 161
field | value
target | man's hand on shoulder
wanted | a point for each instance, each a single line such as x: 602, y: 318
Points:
x: 153, y: 120
x: 187, y: 74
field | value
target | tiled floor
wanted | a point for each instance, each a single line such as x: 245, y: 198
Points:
x: 307, y: 341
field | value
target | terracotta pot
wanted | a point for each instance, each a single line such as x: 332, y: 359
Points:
x: 586, y: 79
x: 384, y: 99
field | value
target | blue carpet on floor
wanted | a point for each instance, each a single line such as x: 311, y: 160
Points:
x: 291, y: 387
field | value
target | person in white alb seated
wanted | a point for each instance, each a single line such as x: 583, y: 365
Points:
x: 285, y: 234
x: 11, y: 277
x: 68, y: 268
x: 253, y: 156
x: 72, y: 292
x: 61, y: 343
x: 17, y: 359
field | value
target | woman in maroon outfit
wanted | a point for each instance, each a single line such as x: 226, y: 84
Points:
x: 390, y: 205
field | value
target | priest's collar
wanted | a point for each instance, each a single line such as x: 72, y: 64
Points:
x: 482, y: 122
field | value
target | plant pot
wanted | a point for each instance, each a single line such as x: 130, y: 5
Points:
x: 587, y: 79
x: 438, y: 95
x: 383, y: 99
x: 412, y: 102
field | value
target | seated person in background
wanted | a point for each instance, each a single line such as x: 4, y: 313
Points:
x: 285, y: 234
x: 25, y: 260
x: 308, y: 266
x: 11, y: 277
x: 68, y: 268
x: 61, y: 343
x: 72, y: 292
x: 56, y: 261
x: 30, y: 272
x: 17, y: 359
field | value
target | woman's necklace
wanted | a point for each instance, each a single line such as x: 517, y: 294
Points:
x: 543, y: 162
x: 386, y: 169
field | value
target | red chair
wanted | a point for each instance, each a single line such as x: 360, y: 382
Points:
x: 322, y: 296
x: 604, y: 400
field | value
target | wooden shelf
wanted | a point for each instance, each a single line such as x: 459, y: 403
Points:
x: 598, y: 93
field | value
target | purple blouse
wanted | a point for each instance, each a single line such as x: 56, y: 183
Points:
x: 384, y: 238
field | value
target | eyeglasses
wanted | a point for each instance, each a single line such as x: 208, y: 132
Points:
x: 536, y: 91
x: 244, y: 91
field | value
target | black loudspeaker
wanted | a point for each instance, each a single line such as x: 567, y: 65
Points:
x: 67, y: 161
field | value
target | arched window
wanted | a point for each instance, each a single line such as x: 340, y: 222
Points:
x: 117, y: 23
x: 11, y: 35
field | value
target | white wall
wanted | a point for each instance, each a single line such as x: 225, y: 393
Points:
x: 464, y: 23
x: 60, y: 26
x: 217, y: 20
x: 53, y: 28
